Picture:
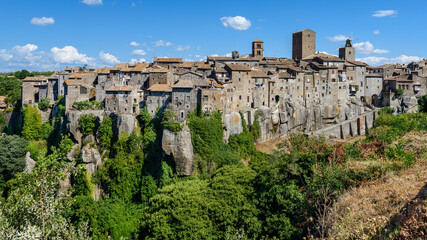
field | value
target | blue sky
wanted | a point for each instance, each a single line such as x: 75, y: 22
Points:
x: 49, y: 35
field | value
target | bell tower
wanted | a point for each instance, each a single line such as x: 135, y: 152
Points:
x: 258, y: 48
x: 348, y: 52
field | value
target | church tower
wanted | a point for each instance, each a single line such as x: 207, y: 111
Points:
x: 348, y: 52
x: 258, y: 48
x: 303, y: 44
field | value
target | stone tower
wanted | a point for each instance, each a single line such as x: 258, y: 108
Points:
x: 303, y: 44
x: 348, y: 52
x: 257, y: 48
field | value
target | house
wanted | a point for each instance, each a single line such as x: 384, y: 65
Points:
x: 159, y: 95
x: 122, y: 100
x: 77, y: 91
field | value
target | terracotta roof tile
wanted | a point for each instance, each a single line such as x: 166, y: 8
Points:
x: 160, y: 88
x: 120, y: 89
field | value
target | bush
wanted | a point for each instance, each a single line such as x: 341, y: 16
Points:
x: 12, y: 157
x: 87, y: 124
x: 44, y: 103
x: 106, y: 133
x: 399, y: 93
x: 32, y: 121
x: 37, y: 149
x: 86, y: 105
x: 169, y: 121
x: 386, y: 110
x: 422, y: 104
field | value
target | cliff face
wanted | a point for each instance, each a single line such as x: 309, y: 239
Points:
x: 179, y: 146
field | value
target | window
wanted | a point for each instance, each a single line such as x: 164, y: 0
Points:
x: 240, y: 97
x: 83, y: 90
x: 188, y: 99
x: 205, y: 98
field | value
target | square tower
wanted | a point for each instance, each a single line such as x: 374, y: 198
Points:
x: 303, y: 44
x: 257, y: 48
x: 348, y: 53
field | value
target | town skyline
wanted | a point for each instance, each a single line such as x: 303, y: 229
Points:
x: 49, y: 38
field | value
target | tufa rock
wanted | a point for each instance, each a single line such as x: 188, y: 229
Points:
x: 179, y: 146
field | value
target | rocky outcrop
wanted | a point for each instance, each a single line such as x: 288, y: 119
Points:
x: 91, y: 157
x: 232, y: 124
x: 125, y: 123
x: 29, y: 163
x: 179, y: 146
x: 72, y: 121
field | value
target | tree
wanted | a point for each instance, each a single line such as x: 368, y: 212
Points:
x: 37, y: 205
x: 106, y: 133
x: 422, y: 104
x: 12, y: 156
x: 399, y: 93
x: 44, y: 103
x: 87, y: 124
x: 31, y: 129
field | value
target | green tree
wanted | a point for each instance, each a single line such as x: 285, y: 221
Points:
x: 106, y: 133
x: 37, y: 205
x: 44, y: 103
x: 87, y: 124
x: 422, y: 104
x: 12, y: 156
x: 32, y: 121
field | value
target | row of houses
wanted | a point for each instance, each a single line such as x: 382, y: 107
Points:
x: 230, y: 84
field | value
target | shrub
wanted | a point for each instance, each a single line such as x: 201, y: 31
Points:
x: 386, y: 110
x: 12, y: 156
x: 398, y: 93
x: 32, y: 121
x: 87, y: 124
x: 422, y: 104
x: 106, y: 133
x: 86, y: 105
x: 44, y: 103
x: 169, y: 121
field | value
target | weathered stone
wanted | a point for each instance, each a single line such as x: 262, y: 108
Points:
x: 73, y: 121
x: 275, y: 116
x: 179, y: 146
x: 125, y: 123
x: 283, y: 117
x: 29, y: 163
x: 91, y: 157
x: 232, y: 125
x: 283, y: 130
x: 73, y: 152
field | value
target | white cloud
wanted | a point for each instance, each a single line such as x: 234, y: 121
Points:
x: 108, y: 58
x: 133, y: 4
x: 376, y: 32
x: 69, y: 54
x: 182, y: 48
x: 4, y: 55
x: 215, y: 55
x: 375, y: 61
x: 228, y: 55
x: 384, y: 13
x: 367, y: 48
x: 134, y: 44
x: 237, y: 22
x: 197, y: 56
x: 133, y: 61
x: 338, y: 38
x: 139, y: 52
x: 25, y: 50
x: 162, y: 43
x: 92, y: 2
x: 43, y: 21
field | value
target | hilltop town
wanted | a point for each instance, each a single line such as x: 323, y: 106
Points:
x: 309, y: 92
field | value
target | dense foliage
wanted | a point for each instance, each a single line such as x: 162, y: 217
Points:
x: 11, y: 88
x: 422, y: 104
x: 12, y: 157
x: 86, y: 105
x: 87, y: 124
x: 44, y: 103
x: 32, y: 122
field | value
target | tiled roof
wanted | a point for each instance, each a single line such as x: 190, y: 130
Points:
x: 168, y: 60
x: 104, y: 70
x: 238, y: 67
x: 119, y: 67
x: 258, y: 74
x: 220, y: 70
x: 358, y: 63
x: 120, y: 89
x: 160, y: 88
x: 35, y: 79
x: 285, y: 75
x: 73, y: 82
x: 139, y: 67
x: 184, y: 83
x: 258, y: 41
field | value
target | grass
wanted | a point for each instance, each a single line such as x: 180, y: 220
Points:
x: 374, y: 210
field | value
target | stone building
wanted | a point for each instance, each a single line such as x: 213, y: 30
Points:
x: 133, y: 74
x: 34, y: 89
x: 122, y: 100
x: 185, y: 98
x: 159, y: 76
x: 159, y: 96
x: 169, y: 63
x: 76, y: 91
x: 303, y: 44
x: 347, y: 52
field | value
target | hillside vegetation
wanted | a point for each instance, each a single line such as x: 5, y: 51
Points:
x: 372, y: 188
